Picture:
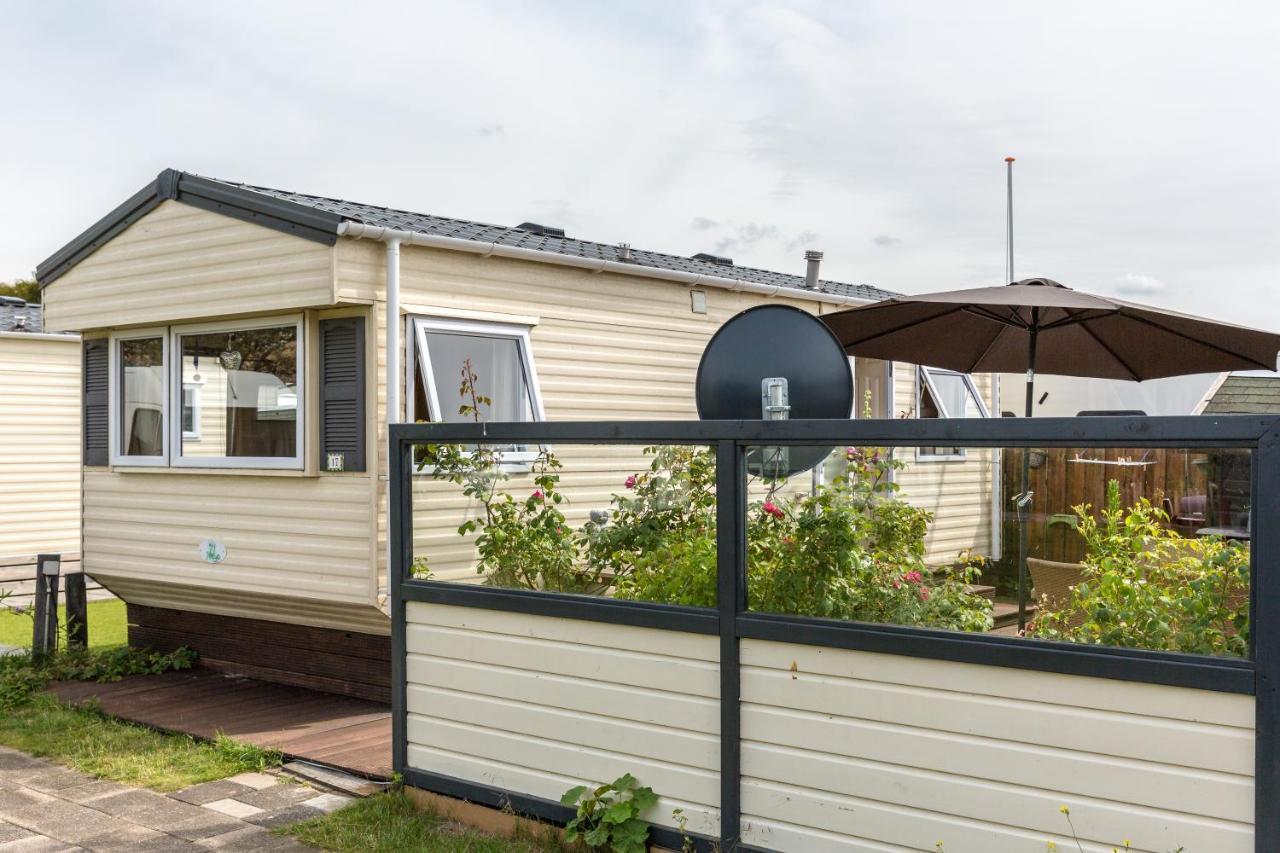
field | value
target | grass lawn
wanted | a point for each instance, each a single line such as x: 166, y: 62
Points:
x: 106, y: 625
x: 120, y: 751
x: 390, y: 822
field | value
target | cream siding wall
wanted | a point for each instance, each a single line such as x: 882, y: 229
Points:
x: 299, y: 545
x: 957, y: 492
x: 853, y: 751
x: 182, y: 263
x: 536, y: 704
x: 606, y: 347
x: 39, y: 445
x: 286, y: 536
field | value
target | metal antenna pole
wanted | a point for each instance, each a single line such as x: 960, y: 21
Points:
x: 1008, y: 262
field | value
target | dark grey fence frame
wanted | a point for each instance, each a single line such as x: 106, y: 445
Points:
x: 1258, y: 676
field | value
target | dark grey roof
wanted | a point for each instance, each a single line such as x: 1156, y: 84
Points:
x: 440, y: 226
x: 1246, y: 395
x: 318, y: 218
x: 12, y: 317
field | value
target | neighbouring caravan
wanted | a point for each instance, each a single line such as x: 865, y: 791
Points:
x: 39, y: 445
x: 236, y: 357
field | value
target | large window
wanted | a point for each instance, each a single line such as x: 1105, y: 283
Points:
x: 946, y: 394
x: 222, y: 395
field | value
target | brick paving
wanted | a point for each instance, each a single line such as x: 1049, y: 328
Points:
x: 46, y: 808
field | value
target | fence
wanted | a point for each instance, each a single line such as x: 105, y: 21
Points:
x: 777, y: 732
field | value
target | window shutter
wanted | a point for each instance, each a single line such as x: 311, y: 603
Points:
x: 96, y: 405
x: 342, y: 416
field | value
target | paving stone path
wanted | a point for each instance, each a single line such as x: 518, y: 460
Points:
x: 45, y: 808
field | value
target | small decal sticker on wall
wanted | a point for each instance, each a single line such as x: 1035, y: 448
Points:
x: 212, y: 551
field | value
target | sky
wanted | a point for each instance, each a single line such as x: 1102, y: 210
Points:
x: 1145, y: 133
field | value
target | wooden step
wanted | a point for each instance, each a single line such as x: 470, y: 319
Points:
x: 981, y: 590
x: 1005, y: 613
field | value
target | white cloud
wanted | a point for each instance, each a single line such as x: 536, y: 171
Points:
x: 1136, y: 284
x: 1139, y: 136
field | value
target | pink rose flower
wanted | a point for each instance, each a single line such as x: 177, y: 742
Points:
x: 913, y: 577
x: 537, y: 495
x: 772, y: 509
x: 924, y: 593
x: 630, y: 482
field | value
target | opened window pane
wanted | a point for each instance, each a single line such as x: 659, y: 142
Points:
x: 246, y: 405
x: 947, y: 394
x: 499, y: 376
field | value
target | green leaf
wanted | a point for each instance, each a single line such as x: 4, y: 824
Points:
x: 643, y: 799
x: 619, y: 812
x: 572, y: 795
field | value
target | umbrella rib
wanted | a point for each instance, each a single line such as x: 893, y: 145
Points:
x: 991, y: 343
x: 1076, y: 318
x: 1084, y: 324
x: 979, y: 311
x: 1198, y: 341
x: 895, y: 329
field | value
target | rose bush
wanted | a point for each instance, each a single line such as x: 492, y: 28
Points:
x: 1144, y: 586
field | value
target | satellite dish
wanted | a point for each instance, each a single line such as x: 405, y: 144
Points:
x: 775, y: 362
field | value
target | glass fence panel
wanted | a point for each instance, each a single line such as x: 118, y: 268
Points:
x: 625, y: 521
x: 1125, y: 547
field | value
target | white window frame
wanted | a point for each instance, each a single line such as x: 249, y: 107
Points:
x: 421, y: 362
x: 116, y: 407
x: 924, y: 380
x: 295, y: 462
x: 197, y: 405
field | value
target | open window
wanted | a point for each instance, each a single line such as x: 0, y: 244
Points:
x: 946, y: 394
x: 501, y: 360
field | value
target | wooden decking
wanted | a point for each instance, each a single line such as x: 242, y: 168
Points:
x: 338, y: 731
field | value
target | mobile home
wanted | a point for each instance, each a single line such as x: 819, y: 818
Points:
x: 39, y: 445
x: 239, y: 372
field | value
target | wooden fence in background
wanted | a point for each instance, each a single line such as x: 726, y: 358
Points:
x: 1066, y: 478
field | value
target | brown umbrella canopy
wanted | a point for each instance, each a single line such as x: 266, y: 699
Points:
x: 991, y: 330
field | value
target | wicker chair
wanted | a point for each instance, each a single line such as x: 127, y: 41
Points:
x: 1053, y: 581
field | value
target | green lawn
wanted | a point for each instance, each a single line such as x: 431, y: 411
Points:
x: 390, y: 823
x: 112, y: 749
x: 106, y: 625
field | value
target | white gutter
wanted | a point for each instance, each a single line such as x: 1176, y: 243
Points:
x: 475, y: 247
x: 393, y: 357
x: 41, y: 336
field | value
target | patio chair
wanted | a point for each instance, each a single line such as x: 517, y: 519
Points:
x: 1191, y: 513
x: 1052, y: 582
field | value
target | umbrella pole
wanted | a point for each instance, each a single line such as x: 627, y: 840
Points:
x: 1024, y: 502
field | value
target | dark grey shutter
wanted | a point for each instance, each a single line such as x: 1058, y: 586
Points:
x: 97, y: 404
x: 342, y: 424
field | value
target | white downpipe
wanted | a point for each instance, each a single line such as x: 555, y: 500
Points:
x: 474, y: 247
x: 393, y: 363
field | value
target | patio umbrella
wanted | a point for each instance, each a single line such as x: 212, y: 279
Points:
x: 1040, y: 325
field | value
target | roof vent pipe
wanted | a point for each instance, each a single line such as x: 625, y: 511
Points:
x: 812, y: 259
x: 624, y: 251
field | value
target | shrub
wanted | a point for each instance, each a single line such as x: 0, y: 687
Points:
x: 608, y: 817
x: 23, y: 674
x: 849, y: 550
x: 1144, y: 586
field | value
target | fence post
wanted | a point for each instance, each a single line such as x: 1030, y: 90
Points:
x: 1264, y: 636
x: 731, y: 599
x: 44, y: 638
x: 400, y: 529
x: 77, y: 604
